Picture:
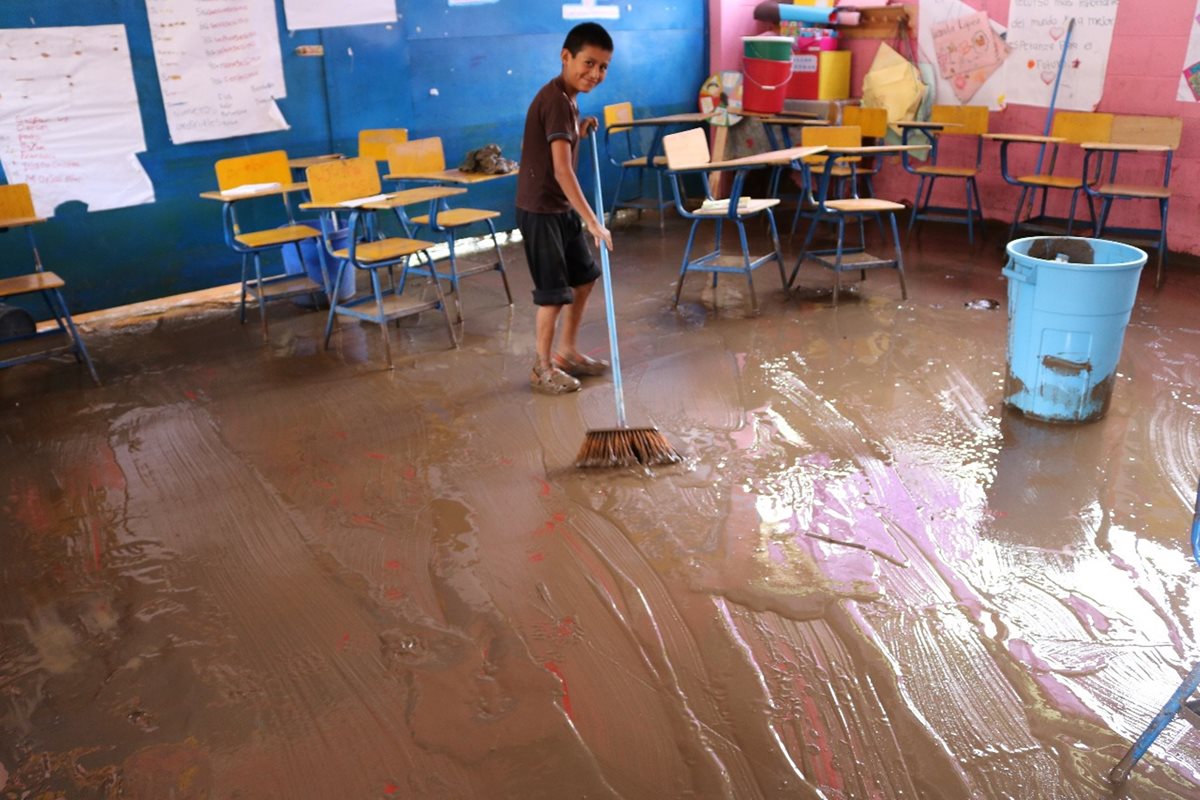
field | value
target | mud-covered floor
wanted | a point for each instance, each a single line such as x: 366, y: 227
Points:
x: 241, y: 570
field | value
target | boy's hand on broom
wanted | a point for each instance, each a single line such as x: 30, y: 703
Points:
x: 600, y: 233
x: 587, y: 125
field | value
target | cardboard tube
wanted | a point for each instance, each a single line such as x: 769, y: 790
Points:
x: 774, y: 12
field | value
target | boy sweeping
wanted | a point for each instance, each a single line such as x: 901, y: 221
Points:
x: 553, y: 214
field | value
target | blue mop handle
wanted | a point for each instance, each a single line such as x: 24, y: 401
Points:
x: 618, y: 388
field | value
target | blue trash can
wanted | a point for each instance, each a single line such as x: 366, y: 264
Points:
x: 312, y: 261
x: 1066, y: 324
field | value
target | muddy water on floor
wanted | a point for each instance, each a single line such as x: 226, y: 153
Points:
x: 247, y: 570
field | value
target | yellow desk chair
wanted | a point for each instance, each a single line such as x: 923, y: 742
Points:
x: 948, y: 121
x: 842, y: 174
x: 1153, y: 137
x: 16, y: 211
x: 352, y: 185
x: 424, y: 161
x: 629, y: 156
x: 1070, y: 127
x: 841, y: 258
x: 873, y: 125
x: 259, y: 177
x: 373, y: 143
x: 687, y: 153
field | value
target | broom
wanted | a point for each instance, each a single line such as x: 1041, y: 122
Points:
x: 621, y: 446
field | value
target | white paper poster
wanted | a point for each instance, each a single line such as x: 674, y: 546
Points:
x: 306, y: 14
x: 590, y: 9
x: 1189, y: 81
x: 70, y: 124
x: 219, y: 67
x: 985, y: 90
x: 1036, y: 32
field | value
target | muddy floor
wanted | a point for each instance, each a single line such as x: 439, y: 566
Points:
x: 248, y: 570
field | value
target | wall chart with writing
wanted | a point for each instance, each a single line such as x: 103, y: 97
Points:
x: 70, y: 125
x: 1036, y: 30
x: 307, y: 14
x: 979, y: 81
x: 219, y: 67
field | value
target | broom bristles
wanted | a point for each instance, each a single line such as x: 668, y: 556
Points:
x: 624, y: 447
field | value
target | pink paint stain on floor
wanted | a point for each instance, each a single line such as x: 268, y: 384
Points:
x: 365, y: 521
x: 554, y: 669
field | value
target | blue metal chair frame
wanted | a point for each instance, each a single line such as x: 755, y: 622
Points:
x: 715, y: 261
x: 923, y: 209
x: 48, y: 288
x: 372, y: 308
x: 412, y: 227
x: 273, y: 287
x: 1156, y: 235
x: 831, y: 213
x: 1042, y: 222
x: 808, y: 205
x: 649, y: 161
x: 1178, y: 703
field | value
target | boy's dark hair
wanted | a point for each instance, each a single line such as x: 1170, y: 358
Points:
x: 587, y: 33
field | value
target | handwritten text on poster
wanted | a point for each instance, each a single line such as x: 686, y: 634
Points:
x: 70, y: 124
x: 1037, y: 30
x: 219, y: 67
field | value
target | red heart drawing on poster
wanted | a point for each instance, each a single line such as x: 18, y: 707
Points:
x: 1056, y: 33
x: 1048, y: 76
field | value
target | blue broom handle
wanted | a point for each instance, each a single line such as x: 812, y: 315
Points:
x: 615, y: 352
x: 1062, y: 62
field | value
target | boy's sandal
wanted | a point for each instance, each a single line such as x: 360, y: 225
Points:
x: 581, y: 366
x: 552, y: 380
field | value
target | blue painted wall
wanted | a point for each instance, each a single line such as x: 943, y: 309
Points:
x: 484, y: 61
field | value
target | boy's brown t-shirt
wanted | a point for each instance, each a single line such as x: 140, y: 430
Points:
x: 552, y: 115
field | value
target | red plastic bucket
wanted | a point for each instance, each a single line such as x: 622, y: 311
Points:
x: 765, y: 86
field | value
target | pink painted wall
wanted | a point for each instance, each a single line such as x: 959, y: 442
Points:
x: 728, y: 22
x: 1143, y: 76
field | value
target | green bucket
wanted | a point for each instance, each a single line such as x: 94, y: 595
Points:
x: 767, y: 48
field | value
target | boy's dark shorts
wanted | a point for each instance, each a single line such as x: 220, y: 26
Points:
x: 558, y: 255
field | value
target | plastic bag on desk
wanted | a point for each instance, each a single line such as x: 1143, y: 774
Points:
x: 487, y: 159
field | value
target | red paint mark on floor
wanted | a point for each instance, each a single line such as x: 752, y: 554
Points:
x: 826, y: 771
x: 377, y: 456
x: 393, y: 593
x: 26, y: 505
x: 536, y: 557
x: 545, y: 490
x: 562, y: 681
x: 559, y: 517
x: 392, y: 563
x: 505, y: 461
x: 340, y: 434
x: 344, y: 644
x: 365, y: 521
x: 190, y: 395
x: 409, y: 473
x: 320, y: 484
x: 390, y: 788
x: 566, y: 627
